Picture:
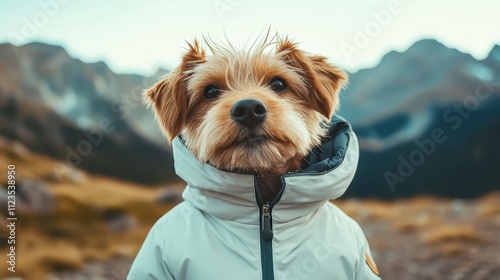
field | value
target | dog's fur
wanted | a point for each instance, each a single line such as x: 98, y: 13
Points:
x: 295, y: 118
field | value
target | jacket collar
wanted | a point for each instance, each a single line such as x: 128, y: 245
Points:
x: 326, y: 173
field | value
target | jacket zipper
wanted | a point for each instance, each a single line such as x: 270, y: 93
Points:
x: 266, y: 245
x: 266, y: 231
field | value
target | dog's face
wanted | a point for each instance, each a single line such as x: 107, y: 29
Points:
x: 250, y: 110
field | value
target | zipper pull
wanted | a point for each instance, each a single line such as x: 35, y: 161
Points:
x: 267, y: 233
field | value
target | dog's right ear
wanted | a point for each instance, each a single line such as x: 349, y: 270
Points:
x: 169, y: 96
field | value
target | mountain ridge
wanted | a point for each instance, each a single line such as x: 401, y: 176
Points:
x: 403, y: 98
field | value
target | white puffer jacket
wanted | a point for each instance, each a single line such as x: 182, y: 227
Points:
x: 223, y: 231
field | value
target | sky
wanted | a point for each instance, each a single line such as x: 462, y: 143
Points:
x: 142, y: 36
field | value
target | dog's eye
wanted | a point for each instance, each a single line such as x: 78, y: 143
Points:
x: 278, y: 85
x: 211, y: 92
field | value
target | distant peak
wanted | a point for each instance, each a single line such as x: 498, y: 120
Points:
x: 426, y: 45
x: 425, y: 48
x: 495, y: 53
x: 6, y: 45
x: 40, y: 47
x: 7, y: 48
x: 101, y: 65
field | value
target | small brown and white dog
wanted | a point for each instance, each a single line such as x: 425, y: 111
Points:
x: 253, y: 136
x: 254, y: 111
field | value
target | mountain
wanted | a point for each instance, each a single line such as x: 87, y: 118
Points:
x: 427, y: 119
x: 82, y: 114
x: 406, y: 81
x: 396, y: 107
x: 82, y: 92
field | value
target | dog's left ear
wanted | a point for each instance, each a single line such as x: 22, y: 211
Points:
x: 323, y: 79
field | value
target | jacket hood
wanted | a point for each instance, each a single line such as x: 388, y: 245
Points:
x: 325, y: 174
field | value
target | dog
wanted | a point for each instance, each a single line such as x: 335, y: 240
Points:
x: 255, y: 137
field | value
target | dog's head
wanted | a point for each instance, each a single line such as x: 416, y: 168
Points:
x: 252, y: 109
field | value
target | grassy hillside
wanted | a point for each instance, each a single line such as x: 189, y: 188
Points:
x: 80, y: 228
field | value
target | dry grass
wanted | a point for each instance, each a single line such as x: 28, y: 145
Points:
x: 75, y: 232
x: 366, y: 209
x: 443, y: 224
x: 416, y: 223
x: 405, y: 216
x: 452, y: 233
x: 489, y: 206
x: 452, y: 249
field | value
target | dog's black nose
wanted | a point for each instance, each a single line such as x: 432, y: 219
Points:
x: 249, y: 112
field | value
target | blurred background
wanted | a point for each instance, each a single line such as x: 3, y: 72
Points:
x: 93, y: 172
